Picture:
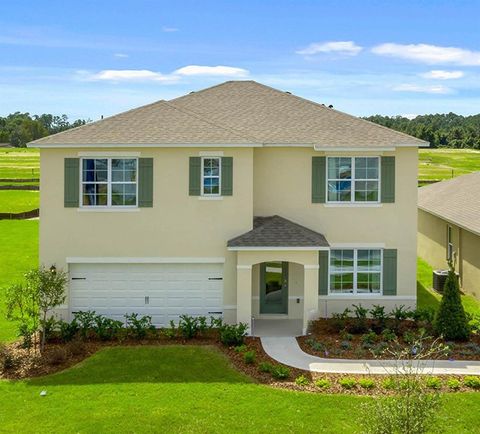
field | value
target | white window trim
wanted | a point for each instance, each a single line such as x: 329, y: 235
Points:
x: 352, y: 201
x: 450, y: 247
x: 202, y: 186
x: 355, y: 271
x: 109, y: 183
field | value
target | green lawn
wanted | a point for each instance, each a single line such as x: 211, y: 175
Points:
x: 446, y: 163
x: 426, y: 297
x: 18, y: 253
x: 19, y: 200
x: 184, y: 389
x: 19, y: 163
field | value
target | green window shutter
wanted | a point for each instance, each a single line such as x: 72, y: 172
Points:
x: 145, y: 182
x: 194, y: 176
x: 388, y: 180
x: 390, y: 272
x: 323, y: 272
x: 72, y: 183
x: 227, y: 176
x: 319, y: 179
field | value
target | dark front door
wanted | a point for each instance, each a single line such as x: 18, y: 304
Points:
x: 274, y: 287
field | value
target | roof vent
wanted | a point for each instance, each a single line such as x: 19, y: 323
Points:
x: 101, y: 117
x: 330, y: 106
x: 288, y: 92
x: 192, y: 92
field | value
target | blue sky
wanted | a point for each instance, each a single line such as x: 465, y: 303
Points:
x: 91, y: 58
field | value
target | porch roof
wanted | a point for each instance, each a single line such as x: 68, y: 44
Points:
x: 277, y: 232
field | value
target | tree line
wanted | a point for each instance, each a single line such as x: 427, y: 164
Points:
x: 20, y: 128
x: 441, y: 130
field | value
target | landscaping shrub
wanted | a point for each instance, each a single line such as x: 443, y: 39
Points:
x: 249, y: 357
x: 472, y: 381
x: 7, y: 359
x: 202, y: 325
x: 345, y: 345
x: 368, y: 339
x: 85, y: 321
x: 389, y: 335
x: 453, y: 384
x: 265, y: 367
x: 301, y: 380
x: 216, y: 322
x: 188, y: 326
x: 409, y: 337
x: 170, y: 332
x: 399, y: 314
x: 433, y: 382
x: 366, y: 383
x: 315, y: 345
x: 379, y: 316
x: 389, y: 384
x: 359, y: 324
x: 139, y: 327
x: 67, y: 330
x: 347, y: 382
x: 345, y: 335
x: 450, y: 321
x: 107, y: 329
x: 473, y: 347
x: 340, y: 320
x: 423, y: 314
x: 233, y: 335
x: 241, y: 348
x: 280, y: 372
x: 323, y: 383
x: 380, y: 348
x: 474, y: 324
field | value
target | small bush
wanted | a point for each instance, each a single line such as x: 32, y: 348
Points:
x: 409, y: 337
x: 379, y: 316
x: 7, y: 359
x: 423, y: 314
x: 345, y: 345
x: 139, y: 327
x: 433, y: 383
x: 301, y: 380
x: 389, y: 384
x: 85, y: 321
x: 280, y: 372
x: 366, y: 383
x: 170, y: 332
x: 339, y: 320
x: 202, y: 325
x: 388, y: 335
x: 265, y: 367
x: 472, y: 381
x: 473, y: 347
x: 233, y: 335
x: 68, y: 330
x: 359, y: 324
x: 474, y: 324
x: 323, y: 383
x: 454, y: 384
x: 346, y: 336
x: 188, y: 326
x: 241, y: 348
x: 249, y: 357
x: 107, y: 329
x: 347, y: 382
x: 379, y: 348
x: 315, y: 345
x: 368, y: 338
x: 216, y: 322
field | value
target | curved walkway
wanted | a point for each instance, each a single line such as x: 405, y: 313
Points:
x: 287, y: 351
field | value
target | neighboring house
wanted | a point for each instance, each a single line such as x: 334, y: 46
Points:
x: 448, y: 224
x: 239, y: 200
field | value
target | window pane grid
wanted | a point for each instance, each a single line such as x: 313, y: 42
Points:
x: 353, y: 179
x: 211, y: 176
x: 109, y: 182
x: 355, y: 271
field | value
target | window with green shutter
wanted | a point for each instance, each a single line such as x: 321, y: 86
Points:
x: 145, y: 182
x: 319, y: 179
x: 388, y: 180
x: 323, y: 272
x: 389, y: 272
x: 211, y: 176
x: 71, y: 182
x: 195, y: 176
x: 227, y: 176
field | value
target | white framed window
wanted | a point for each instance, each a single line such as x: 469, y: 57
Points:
x: 355, y: 271
x: 449, y: 243
x: 109, y: 182
x: 353, y: 179
x: 211, y: 176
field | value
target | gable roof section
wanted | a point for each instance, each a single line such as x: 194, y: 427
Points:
x: 276, y: 117
x: 157, y: 123
x: 456, y: 201
x: 276, y: 231
x: 234, y: 113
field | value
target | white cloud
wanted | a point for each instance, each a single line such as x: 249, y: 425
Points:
x: 436, y: 89
x: 131, y: 75
x: 120, y: 55
x: 169, y: 29
x: 342, y: 47
x: 225, y: 71
x: 438, y: 74
x: 431, y: 54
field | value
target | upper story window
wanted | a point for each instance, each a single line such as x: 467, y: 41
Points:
x: 211, y: 176
x: 355, y: 271
x: 109, y: 182
x: 353, y: 179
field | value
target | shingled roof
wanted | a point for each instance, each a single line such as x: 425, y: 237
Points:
x: 234, y: 113
x: 456, y: 201
x: 276, y: 231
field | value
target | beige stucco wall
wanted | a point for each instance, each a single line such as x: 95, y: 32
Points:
x: 282, y: 185
x: 432, y: 246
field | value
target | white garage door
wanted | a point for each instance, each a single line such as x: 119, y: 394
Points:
x: 163, y: 291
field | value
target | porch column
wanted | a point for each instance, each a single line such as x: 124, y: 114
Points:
x: 310, y: 294
x: 244, y: 295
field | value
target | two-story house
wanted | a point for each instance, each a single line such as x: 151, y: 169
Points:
x: 240, y: 200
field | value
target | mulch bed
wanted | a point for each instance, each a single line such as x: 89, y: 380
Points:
x: 59, y: 356
x: 322, y: 332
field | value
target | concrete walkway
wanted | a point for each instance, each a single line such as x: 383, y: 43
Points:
x: 287, y: 351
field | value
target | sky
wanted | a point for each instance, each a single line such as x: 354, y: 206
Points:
x: 92, y: 58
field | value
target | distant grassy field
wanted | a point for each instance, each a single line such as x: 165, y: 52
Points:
x: 19, y: 163
x: 439, y: 164
x: 18, y: 200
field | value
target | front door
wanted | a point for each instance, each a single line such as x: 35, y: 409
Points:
x: 274, y: 287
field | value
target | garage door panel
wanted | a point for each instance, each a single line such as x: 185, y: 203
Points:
x: 171, y: 290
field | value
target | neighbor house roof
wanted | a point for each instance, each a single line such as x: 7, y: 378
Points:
x: 234, y: 113
x: 456, y: 201
x: 276, y: 231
